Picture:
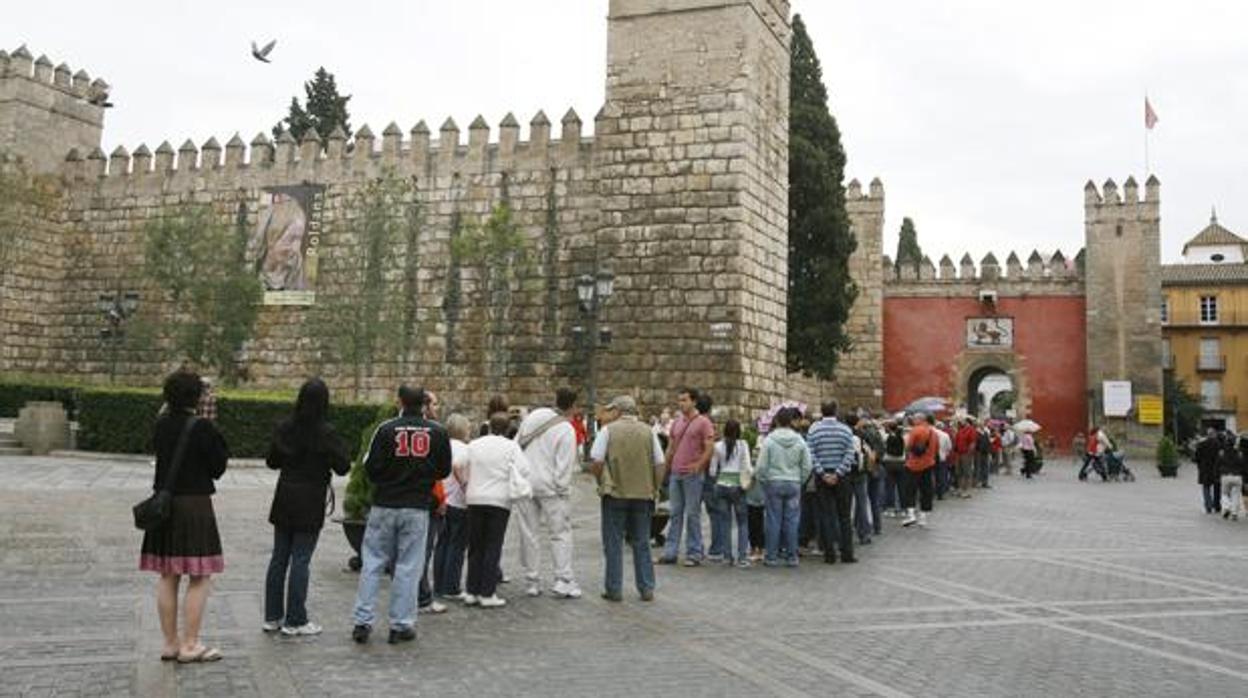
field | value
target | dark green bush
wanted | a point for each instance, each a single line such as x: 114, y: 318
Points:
x: 14, y: 394
x: 119, y: 420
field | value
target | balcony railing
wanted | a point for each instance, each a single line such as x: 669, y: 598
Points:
x: 1220, y: 403
x: 1210, y: 363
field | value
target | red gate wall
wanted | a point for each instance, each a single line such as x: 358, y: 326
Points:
x: 924, y: 338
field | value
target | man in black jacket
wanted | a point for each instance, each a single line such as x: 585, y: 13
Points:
x: 407, y: 456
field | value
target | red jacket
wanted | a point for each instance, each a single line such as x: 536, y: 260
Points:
x: 964, y: 442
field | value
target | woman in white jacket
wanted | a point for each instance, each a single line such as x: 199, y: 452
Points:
x: 732, y: 470
x: 497, y: 472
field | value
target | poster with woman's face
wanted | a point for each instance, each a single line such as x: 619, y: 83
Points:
x: 281, y: 249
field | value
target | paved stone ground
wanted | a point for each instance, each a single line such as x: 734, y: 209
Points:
x: 1045, y: 588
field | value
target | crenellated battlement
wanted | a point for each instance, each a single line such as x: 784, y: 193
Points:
x: 1108, y: 203
x: 21, y: 64
x: 332, y: 157
x: 1055, y: 274
x: 46, y: 109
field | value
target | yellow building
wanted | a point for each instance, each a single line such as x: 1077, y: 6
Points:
x: 1204, y: 317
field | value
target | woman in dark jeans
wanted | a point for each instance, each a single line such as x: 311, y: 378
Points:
x: 307, y: 451
x: 188, y: 543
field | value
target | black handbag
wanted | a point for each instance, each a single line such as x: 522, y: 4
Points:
x: 155, y: 510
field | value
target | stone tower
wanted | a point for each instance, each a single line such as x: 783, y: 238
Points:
x: 1123, y: 282
x: 860, y: 373
x: 692, y: 178
x: 46, y: 111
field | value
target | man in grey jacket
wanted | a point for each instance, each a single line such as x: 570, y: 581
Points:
x: 836, y: 461
x: 549, y: 442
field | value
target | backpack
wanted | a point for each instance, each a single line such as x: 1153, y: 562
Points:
x: 919, y: 448
x: 895, y: 445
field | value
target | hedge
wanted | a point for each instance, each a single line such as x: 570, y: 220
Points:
x: 14, y: 394
x: 120, y: 420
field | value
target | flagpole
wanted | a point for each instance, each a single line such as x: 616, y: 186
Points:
x: 1146, y: 130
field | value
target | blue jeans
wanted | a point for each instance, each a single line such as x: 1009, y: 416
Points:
x: 425, y: 594
x: 293, y: 550
x: 730, y: 506
x: 875, y: 495
x: 448, y: 558
x: 1212, y: 495
x: 780, y: 526
x: 633, y: 516
x: 942, y: 478
x: 862, y: 508
x: 685, y: 496
x: 714, y: 508
x: 396, y: 535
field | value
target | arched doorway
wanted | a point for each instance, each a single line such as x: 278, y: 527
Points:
x: 991, y: 393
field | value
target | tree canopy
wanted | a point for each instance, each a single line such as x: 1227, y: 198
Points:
x: 820, y: 292
x: 908, y: 250
x: 325, y: 109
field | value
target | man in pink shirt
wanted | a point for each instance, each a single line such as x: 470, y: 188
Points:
x: 688, y: 453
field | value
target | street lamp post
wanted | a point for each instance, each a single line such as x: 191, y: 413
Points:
x: 116, y: 309
x: 592, y: 292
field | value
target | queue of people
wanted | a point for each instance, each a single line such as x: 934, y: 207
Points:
x: 442, y: 501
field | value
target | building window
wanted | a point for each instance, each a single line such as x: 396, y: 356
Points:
x: 1211, y: 394
x: 1208, y: 310
x: 1165, y: 310
x: 1210, y: 354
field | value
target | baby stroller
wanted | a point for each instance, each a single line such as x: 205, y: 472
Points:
x: 1116, y: 467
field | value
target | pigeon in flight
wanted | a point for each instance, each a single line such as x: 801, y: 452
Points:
x: 262, y: 54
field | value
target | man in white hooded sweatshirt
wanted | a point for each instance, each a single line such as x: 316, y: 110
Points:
x: 549, y: 442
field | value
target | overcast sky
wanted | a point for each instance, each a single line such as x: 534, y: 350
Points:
x: 983, y: 118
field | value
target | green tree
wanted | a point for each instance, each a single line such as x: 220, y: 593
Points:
x: 1182, y: 409
x: 355, y: 316
x: 198, y: 261
x: 325, y: 110
x: 908, y: 250
x: 821, y: 291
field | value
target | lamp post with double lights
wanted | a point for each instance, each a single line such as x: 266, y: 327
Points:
x: 592, y: 293
x: 116, y: 308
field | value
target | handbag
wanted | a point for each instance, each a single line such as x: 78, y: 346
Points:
x: 517, y: 485
x: 156, y: 509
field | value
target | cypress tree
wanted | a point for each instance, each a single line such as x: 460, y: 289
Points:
x: 908, y: 250
x: 820, y: 292
x: 325, y: 111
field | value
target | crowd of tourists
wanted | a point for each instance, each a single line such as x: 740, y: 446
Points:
x: 444, y: 495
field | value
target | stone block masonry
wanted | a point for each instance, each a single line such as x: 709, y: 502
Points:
x: 681, y: 192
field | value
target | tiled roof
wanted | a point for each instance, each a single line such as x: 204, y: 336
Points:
x: 1214, y: 234
x: 1202, y: 274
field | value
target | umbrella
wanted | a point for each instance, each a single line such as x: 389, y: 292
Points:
x: 764, y: 422
x: 1026, y: 426
x: 931, y: 405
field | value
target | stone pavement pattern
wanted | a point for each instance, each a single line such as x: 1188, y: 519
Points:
x: 1042, y: 588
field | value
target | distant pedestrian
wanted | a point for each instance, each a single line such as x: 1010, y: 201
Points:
x: 1031, y: 458
x: 1207, y: 475
x: 448, y: 556
x: 307, y: 451
x: 894, y: 468
x: 188, y: 543
x: 407, y: 456
x: 835, y: 455
x: 688, y: 455
x: 206, y: 408
x: 732, y: 472
x: 921, y: 447
x: 548, y: 439
x: 1231, y: 468
x: 964, y: 448
x: 784, y: 463
x: 944, y: 460
x: 628, y: 463
x: 495, y: 467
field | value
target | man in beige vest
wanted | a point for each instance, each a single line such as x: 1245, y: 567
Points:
x: 628, y: 462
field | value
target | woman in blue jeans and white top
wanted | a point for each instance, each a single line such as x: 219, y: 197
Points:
x: 732, y: 471
x: 784, y: 463
x: 307, y: 451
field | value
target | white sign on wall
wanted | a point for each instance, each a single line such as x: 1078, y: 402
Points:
x: 1116, y: 398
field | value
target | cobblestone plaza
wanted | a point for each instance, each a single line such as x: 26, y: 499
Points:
x: 1050, y: 587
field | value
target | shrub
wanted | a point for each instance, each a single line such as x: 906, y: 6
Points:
x: 359, y: 493
x: 1167, y: 453
x: 15, y: 393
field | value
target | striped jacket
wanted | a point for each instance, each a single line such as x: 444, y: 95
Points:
x: 832, y: 445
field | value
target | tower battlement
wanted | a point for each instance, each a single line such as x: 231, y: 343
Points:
x: 47, y: 109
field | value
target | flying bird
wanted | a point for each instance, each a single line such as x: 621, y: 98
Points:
x: 262, y: 54
x: 101, y: 100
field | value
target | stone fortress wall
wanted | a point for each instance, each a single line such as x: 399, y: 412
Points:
x: 681, y: 192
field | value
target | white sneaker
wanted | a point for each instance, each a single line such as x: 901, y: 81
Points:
x: 922, y: 520
x: 533, y: 589
x: 456, y: 597
x: 308, y: 628
x: 910, y: 519
x: 492, y: 601
x: 434, y: 607
x: 471, y: 599
x: 566, y: 590
x: 271, y: 626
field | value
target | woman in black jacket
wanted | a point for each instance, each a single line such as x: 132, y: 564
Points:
x: 188, y: 543
x: 306, y: 449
